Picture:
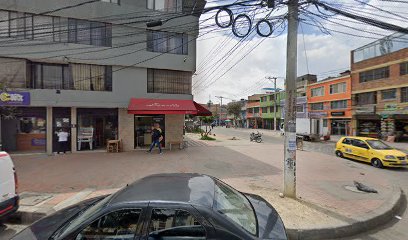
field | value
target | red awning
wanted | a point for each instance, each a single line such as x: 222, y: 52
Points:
x: 202, y: 111
x: 163, y: 106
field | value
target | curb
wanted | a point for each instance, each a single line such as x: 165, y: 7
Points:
x: 385, y: 213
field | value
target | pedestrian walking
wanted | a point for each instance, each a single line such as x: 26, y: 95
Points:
x: 157, y: 137
x: 62, y: 141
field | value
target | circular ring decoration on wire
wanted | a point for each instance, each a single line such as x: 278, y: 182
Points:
x: 235, y: 30
x: 270, y: 26
x: 230, y: 15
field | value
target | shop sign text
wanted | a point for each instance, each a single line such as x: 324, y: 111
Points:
x: 14, y: 98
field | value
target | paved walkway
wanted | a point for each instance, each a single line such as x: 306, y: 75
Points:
x: 323, y: 181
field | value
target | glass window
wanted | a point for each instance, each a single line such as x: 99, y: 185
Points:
x: 338, y: 88
x: 317, y: 91
x: 404, y: 68
x: 83, y: 29
x: 73, y: 77
x: 112, y: 1
x: 347, y: 141
x: 50, y: 76
x: 168, y: 81
x: 165, y: 5
x: 342, y: 104
x: 234, y: 206
x: 174, y: 224
x: 29, y: 26
x: 299, y: 108
x: 272, y: 109
x: 366, y: 98
x: 256, y: 110
x: 120, y: 224
x: 167, y: 42
x: 389, y: 94
x: 316, y: 106
x: 359, y: 143
x: 4, y: 23
x: 43, y: 26
x: 264, y: 110
x: 404, y: 94
x: 379, y: 73
x: 379, y: 145
x: 324, y: 122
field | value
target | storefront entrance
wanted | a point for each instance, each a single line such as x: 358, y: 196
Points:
x: 25, y: 131
x: 340, y: 127
x: 143, y: 130
x: 61, y: 120
x: 96, y: 125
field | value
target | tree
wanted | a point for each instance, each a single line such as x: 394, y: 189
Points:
x: 207, y: 121
x: 234, y: 108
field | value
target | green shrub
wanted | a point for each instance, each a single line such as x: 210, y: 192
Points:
x: 207, y: 138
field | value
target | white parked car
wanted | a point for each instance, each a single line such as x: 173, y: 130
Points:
x: 9, y: 200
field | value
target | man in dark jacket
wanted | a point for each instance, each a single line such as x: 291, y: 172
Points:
x: 157, y: 137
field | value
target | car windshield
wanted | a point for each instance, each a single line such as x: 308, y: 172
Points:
x: 235, y: 207
x: 81, y: 217
x: 379, y: 145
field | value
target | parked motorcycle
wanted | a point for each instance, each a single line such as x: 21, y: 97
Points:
x: 257, y: 137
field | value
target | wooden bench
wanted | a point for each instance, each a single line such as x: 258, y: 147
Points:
x: 113, y: 146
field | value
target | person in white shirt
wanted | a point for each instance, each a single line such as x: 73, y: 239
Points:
x: 62, y: 141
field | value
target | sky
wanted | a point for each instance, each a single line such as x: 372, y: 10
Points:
x: 243, y: 72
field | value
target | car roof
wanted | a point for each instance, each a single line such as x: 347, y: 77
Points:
x: 361, y: 138
x: 173, y: 187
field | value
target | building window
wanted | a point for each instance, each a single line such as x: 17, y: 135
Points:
x: 324, y: 122
x: 271, y: 109
x: 299, y: 108
x: 112, y: 1
x: 90, y: 33
x: 165, y: 5
x: 256, y: 110
x: 404, y: 94
x: 389, y: 94
x: 316, y: 106
x: 342, y: 104
x: 338, y: 88
x: 168, y: 81
x: 264, y: 110
x: 71, y: 77
x: 54, y: 29
x: 379, y: 73
x: 404, y: 68
x: 167, y: 42
x: 366, y: 98
x: 317, y: 91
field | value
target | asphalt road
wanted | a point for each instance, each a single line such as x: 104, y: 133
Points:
x: 394, y: 230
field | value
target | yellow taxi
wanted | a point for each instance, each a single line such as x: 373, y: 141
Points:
x: 371, y: 150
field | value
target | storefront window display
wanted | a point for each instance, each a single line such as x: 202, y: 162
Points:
x: 101, y: 124
x: 143, y: 130
x: 25, y: 132
x: 368, y: 128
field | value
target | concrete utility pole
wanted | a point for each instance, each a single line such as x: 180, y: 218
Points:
x: 274, y: 107
x: 289, y: 181
x: 220, y: 97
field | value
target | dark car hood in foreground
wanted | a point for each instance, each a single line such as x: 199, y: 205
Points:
x: 45, y: 227
x: 269, y: 222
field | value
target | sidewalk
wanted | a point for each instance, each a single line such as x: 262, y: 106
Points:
x: 327, y: 204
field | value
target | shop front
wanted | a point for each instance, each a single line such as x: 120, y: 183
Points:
x: 168, y: 114
x: 369, y: 126
x: 24, y: 130
x: 96, y: 126
x: 340, y: 127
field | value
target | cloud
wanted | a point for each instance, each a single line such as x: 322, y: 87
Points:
x: 325, y: 53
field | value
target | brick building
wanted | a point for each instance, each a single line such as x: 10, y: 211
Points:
x: 330, y: 101
x: 254, y: 111
x: 380, y: 88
